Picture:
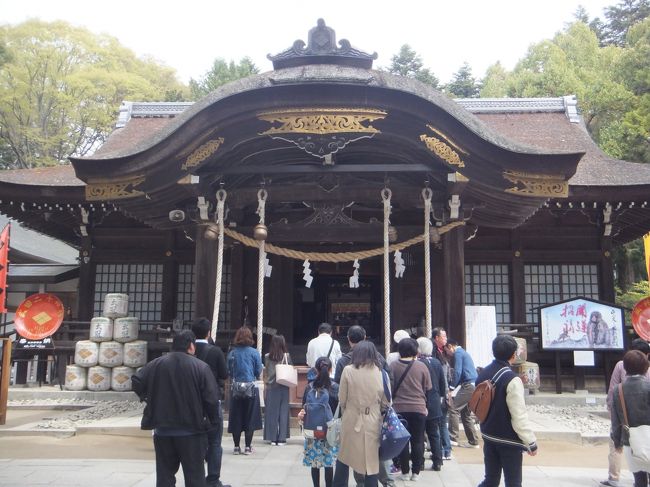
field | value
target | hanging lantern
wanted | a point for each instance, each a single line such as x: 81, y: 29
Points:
x: 211, y: 232
x: 260, y: 232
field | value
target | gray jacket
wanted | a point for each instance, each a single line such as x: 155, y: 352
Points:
x: 636, y: 390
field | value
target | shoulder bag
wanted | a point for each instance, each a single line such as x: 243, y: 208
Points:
x: 334, y: 428
x: 393, y: 436
x: 639, y: 439
x: 285, y: 373
x: 239, y: 390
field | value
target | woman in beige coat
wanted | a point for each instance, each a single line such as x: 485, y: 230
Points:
x: 362, y: 400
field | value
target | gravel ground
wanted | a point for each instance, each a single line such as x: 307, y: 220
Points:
x: 586, y: 419
x: 95, y: 410
x: 590, y: 420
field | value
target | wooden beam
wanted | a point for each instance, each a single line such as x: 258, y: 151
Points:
x: 296, y: 169
x: 205, y: 271
x: 453, y: 245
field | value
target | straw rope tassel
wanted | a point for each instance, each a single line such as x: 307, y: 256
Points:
x: 261, y: 200
x: 426, y: 196
x: 386, y: 195
x: 221, y: 203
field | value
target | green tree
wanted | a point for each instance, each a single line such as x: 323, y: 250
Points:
x: 574, y: 63
x: 409, y: 64
x: 61, y: 87
x: 463, y: 83
x: 621, y: 18
x: 221, y: 73
x: 495, y: 83
x: 629, y: 297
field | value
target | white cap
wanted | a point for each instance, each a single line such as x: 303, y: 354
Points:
x: 400, y: 335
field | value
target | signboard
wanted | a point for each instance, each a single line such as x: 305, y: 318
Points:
x: 641, y: 318
x: 39, y: 316
x: 581, y: 324
x: 480, y: 331
x: 42, y: 344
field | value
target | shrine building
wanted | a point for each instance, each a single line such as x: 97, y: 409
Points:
x: 506, y: 202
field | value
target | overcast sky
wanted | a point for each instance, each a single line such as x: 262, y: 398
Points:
x: 188, y: 35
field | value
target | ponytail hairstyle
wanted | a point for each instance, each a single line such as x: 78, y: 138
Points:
x: 323, y: 367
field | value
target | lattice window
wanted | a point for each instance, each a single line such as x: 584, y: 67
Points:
x: 489, y: 285
x: 185, y: 292
x: 142, y: 282
x: 550, y: 283
x: 226, y: 293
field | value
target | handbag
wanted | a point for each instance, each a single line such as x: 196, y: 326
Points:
x: 286, y: 374
x: 639, y: 439
x: 334, y: 428
x: 394, y: 436
x: 242, y: 390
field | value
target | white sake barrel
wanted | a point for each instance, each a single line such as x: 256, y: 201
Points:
x: 528, y: 372
x: 126, y: 329
x: 99, y: 378
x: 135, y: 353
x: 116, y: 305
x: 75, y: 378
x: 521, y: 355
x: 101, y: 329
x: 111, y: 354
x: 85, y: 353
x: 121, y: 378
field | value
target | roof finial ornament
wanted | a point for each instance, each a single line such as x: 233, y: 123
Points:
x: 321, y: 49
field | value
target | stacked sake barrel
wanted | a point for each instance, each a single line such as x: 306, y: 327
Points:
x: 109, y: 358
x: 527, y: 371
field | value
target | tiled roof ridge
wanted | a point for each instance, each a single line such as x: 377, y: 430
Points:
x: 566, y: 104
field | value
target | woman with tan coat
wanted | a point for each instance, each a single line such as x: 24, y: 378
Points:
x: 362, y: 400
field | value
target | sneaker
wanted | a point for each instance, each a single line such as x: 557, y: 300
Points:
x: 415, y: 477
x: 274, y: 443
x: 237, y: 451
x: 453, y: 443
x: 405, y: 477
x: 473, y: 445
x: 281, y: 443
x: 448, y: 456
x: 248, y: 450
x: 436, y: 467
x: 610, y: 483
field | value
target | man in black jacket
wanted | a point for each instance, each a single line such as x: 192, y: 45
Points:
x: 214, y: 357
x: 506, y: 431
x: 182, y: 403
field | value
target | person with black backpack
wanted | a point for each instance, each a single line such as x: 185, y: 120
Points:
x: 319, y: 400
x: 214, y: 357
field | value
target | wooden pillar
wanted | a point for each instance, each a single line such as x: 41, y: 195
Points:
x: 453, y: 246
x: 205, y: 271
x: 170, y: 281
x: 517, y: 285
x: 607, y: 291
x: 86, y: 301
x: 438, y: 314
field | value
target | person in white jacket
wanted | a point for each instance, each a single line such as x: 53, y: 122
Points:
x: 507, y: 432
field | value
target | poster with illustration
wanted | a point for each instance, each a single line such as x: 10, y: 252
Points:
x: 581, y: 324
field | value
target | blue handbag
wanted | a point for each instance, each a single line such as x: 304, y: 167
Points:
x: 394, y: 435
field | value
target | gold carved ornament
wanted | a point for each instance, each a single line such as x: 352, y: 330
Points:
x: 321, y: 120
x: 443, y: 147
x: 531, y: 184
x: 114, y: 190
x: 202, y: 153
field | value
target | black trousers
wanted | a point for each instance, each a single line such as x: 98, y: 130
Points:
x: 174, y: 451
x: 497, y: 458
x: 641, y: 479
x: 415, y: 426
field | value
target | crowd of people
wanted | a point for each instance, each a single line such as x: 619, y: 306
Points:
x: 428, y: 383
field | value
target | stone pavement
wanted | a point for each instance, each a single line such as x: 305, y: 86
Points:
x: 268, y: 466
